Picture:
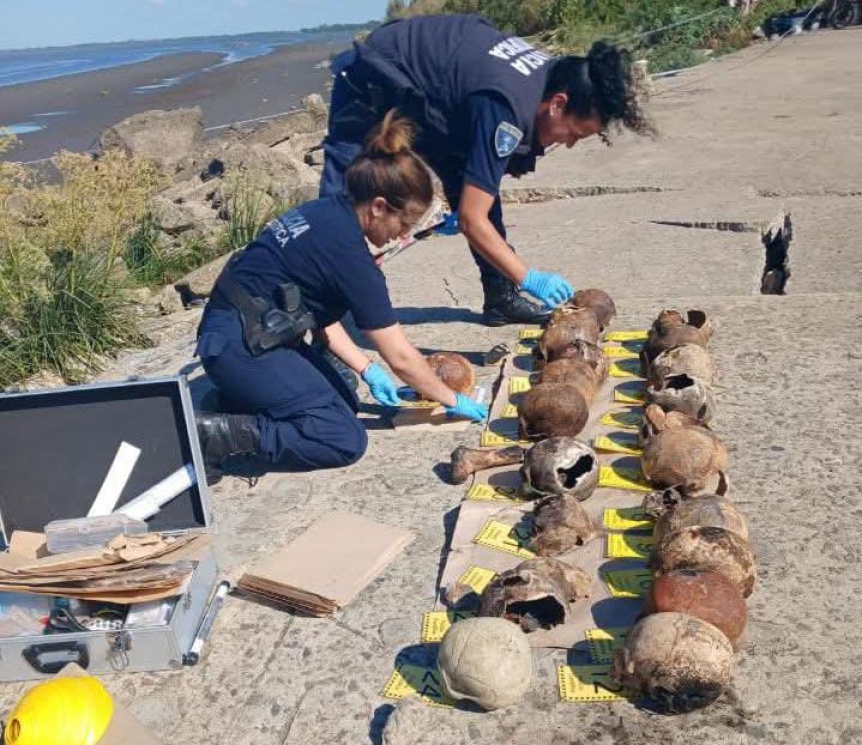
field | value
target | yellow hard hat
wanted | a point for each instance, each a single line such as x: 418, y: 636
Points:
x: 63, y: 711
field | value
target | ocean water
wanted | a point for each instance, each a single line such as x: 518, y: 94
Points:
x: 29, y: 65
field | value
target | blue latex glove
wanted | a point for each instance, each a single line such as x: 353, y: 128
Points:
x: 551, y: 289
x: 468, y: 408
x: 450, y: 225
x: 382, y: 387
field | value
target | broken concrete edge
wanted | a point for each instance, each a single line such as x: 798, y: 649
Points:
x: 776, y: 238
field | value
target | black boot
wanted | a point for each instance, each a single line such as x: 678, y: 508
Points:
x: 504, y: 304
x: 224, y: 435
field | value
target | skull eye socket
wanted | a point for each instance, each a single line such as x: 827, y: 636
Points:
x: 544, y: 613
x: 678, y: 382
x: 570, y: 476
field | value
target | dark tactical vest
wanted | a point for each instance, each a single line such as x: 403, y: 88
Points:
x: 434, y: 63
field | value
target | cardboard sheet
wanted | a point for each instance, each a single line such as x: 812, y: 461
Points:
x: 328, y: 565
x: 427, y: 415
x: 493, y: 497
x: 426, y: 418
x: 160, y: 572
x: 124, y: 729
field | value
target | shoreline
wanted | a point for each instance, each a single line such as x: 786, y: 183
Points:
x: 76, y: 109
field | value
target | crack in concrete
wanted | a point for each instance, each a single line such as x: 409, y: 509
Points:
x: 733, y: 227
x: 360, y: 635
x: 450, y: 293
x: 295, y: 714
x: 539, y: 194
x: 807, y: 193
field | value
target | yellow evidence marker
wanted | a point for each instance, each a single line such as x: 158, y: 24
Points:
x: 502, y: 537
x: 477, y: 578
x: 627, y: 335
x: 629, y: 546
x: 626, y: 443
x: 416, y: 680
x: 488, y: 493
x: 580, y: 684
x: 628, y: 583
x: 436, y: 623
x: 625, y: 369
x: 604, y: 642
x: 626, y: 518
x: 617, y: 477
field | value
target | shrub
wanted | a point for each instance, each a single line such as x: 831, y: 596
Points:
x: 63, y: 279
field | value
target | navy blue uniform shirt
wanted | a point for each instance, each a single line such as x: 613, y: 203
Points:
x: 485, y: 166
x: 319, y: 246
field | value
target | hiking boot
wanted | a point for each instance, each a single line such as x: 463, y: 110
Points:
x: 504, y: 304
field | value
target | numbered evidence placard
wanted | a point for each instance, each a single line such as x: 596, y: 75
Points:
x: 625, y: 369
x: 503, y: 537
x: 631, y: 392
x: 620, y: 477
x: 417, y: 680
x: 626, y: 518
x: 491, y: 439
x: 584, y: 684
x: 603, y: 643
x: 488, y: 493
x: 629, y: 546
x: 477, y: 578
x: 626, y: 443
x: 627, y: 335
x: 631, y: 582
x: 436, y: 623
x: 630, y: 418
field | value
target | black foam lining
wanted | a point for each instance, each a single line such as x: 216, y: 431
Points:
x: 56, y: 449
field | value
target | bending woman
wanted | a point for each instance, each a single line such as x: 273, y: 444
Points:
x: 288, y: 404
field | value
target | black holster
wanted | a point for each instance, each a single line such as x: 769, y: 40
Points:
x: 266, y: 325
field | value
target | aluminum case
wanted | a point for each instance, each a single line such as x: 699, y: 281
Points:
x: 56, y: 447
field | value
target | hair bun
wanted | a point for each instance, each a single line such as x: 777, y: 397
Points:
x: 392, y: 136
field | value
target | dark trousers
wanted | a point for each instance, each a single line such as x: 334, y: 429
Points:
x: 350, y: 121
x: 305, y: 411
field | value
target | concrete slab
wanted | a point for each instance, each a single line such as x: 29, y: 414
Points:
x: 787, y: 411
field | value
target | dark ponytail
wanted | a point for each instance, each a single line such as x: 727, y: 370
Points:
x: 388, y: 168
x: 603, y: 83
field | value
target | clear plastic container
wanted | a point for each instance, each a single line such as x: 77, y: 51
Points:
x: 86, y: 532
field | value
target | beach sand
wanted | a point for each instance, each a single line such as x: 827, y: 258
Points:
x: 92, y: 101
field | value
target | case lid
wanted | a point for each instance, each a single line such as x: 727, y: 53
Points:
x: 56, y: 447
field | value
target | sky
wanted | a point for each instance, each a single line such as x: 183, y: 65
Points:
x: 37, y: 23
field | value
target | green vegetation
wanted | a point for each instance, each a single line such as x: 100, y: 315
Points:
x: 73, y: 254
x: 571, y: 26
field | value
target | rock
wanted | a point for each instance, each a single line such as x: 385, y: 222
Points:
x: 315, y: 158
x: 170, y: 217
x: 169, y: 138
x: 44, y: 379
x: 167, y: 301
x: 202, y: 279
x: 190, y: 190
x: 300, y: 144
x: 279, y: 130
x: 282, y: 175
x: 314, y: 104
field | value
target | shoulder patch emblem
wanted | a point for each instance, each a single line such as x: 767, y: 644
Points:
x: 506, y: 139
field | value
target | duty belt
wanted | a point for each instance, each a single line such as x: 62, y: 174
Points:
x: 265, y: 325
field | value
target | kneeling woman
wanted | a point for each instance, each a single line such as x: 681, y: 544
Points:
x: 291, y: 408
